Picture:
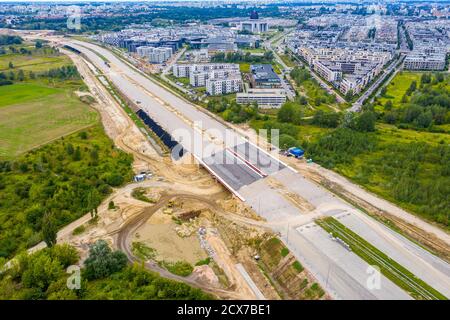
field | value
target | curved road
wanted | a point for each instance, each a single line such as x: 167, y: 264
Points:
x: 132, y: 225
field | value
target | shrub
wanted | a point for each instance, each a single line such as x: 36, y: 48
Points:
x: 297, y: 266
x: 180, y: 268
x: 102, y: 261
x: 203, y: 262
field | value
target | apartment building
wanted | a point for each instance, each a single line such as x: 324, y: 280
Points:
x: 184, y: 70
x: 198, y: 78
x: 423, y: 61
x: 328, y: 71
x: 144, y: 51
x: 181, y: 70
x: 155, y: 55
x: 224, y: 85
x: 346, y: 68
x: 265, y: 98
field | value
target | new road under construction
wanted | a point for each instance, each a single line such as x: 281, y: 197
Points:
x: 288, y: 201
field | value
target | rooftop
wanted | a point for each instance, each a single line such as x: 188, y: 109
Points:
x: 264, y: 72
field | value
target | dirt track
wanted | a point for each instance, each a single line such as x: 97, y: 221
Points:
x: 129, y: 138
x: 241, y: 289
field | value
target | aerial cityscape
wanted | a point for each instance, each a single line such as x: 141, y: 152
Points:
x: 225, y: 150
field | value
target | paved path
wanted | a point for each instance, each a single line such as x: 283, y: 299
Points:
x: 357, y: 105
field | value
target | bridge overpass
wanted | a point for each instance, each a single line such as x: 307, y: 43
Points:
x: 271, y: 188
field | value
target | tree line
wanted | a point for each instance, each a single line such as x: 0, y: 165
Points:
x: 50, y: 187
x: 232, y: 111
x: 9, y: 40
x: 239, y: 57
x: 105, y: 275
x: 423, y: 105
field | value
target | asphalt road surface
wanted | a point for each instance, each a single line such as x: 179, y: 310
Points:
x: 356, y: 107
x: 273, y: 191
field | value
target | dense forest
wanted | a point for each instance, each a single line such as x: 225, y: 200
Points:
x: 415, y: 174
x: 53, y: 185
x: 239, y: 57
x: 42, y: 275
x: 423, y: 105
x: 10, y: 40
x: 117, y: 22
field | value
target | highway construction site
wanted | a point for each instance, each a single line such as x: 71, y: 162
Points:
x: 232, y: 214
x: 178, y: 206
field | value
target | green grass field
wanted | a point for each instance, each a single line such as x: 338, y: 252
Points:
x: 288, y: 61
x: 244, y: 67
x: 398, y: 86
x: 254, y: 50
x: 36, y: 111
x: 32, y: 114
x: 36, y: 62
x: 23, y: 92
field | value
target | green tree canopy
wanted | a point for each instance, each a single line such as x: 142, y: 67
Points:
x: 102, y: 261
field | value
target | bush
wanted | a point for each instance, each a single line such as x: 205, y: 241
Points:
x: 6, y: 82
x: 180, y: 268
x: 65, y: 254
x: 139, y: 194
x: 297, y: 266
x: 340, y: 146
x: 327, y: 119
x: 203, y: 262
x: 102, y: 261
x: 289, y: 113
x: 111, y: 205
x: 286, y: 141
x: 114, y: 179
x: 79, y: 230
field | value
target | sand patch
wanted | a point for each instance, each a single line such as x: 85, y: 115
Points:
x: 159, y: 233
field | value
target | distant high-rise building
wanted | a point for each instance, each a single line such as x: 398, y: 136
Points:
x: 254, y: 25
x: 254, y: 15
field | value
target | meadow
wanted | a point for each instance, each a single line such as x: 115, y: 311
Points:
x: 397, y: 88
x: 56, y: 162
x: 39, y: 109
x: 39, y: 59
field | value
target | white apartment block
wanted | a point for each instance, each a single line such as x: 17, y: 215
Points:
x: 181, y: 70
x: 422, y: 61
x: 184, y: 70
x: 329, y: 72
x: 198, y: 78
x: 224, y: 85
x: 265, y: 98
x: 144, y: 51
x: 155, y: 55
x: 347, y: 69
x: 160, y: 55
